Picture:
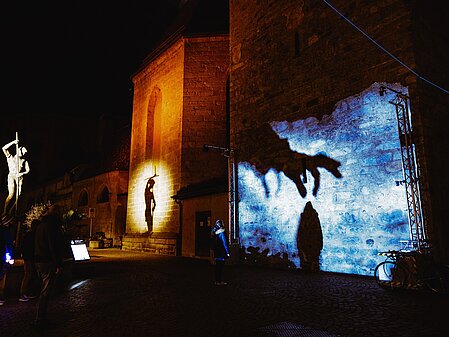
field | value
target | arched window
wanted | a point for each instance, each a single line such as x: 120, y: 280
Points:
x: 103, y: 196
x: 154, y: 125
x: 83, y: 199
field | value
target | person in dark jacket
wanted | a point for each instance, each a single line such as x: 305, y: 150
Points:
x: 29, y: 269
x: 6, y: 257
x: 48, y: 251
x: 221, y: 250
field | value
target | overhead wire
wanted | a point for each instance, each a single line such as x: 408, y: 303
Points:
x: 384, y: 49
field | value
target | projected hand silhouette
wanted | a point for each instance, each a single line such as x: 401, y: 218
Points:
x: 270, y: 151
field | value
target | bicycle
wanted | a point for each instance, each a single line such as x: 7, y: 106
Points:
x: 411, y: 270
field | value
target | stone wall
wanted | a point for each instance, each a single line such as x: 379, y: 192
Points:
x: 352, y: 179
x: 295, y: 67
x: 204, y: 115
x: 430, y: 36
x: 179, y: 105
x: 158, y: 91
x: 216, y: 204
x: 271, y: 80
x: 109, y: 215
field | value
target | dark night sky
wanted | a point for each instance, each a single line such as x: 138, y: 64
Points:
x: 76, y: 57
x: 65, y: 63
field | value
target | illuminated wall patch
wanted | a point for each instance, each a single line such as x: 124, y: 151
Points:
x: 360, y: 213
x: 162, y: 190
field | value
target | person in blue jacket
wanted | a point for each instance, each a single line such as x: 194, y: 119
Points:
x: 220, y: 246
x: 6, y: 257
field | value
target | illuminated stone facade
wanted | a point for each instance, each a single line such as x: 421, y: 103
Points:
x: 179, y: 105
x: 309, y: 125
x: 104, y: 194
x: 101, y: 185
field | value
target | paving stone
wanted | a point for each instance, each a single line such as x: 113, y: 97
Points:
x: 122, y: 293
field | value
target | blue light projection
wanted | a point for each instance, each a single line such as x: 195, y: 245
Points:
x: 361, y: 213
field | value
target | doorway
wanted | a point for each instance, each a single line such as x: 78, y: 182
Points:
x: 202, y: 233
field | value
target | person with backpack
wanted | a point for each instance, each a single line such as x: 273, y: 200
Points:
x: 48, y: 254
x: 27, y: 287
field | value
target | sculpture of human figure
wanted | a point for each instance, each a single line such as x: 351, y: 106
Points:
x: 150, y: 203
x: 18, y: 167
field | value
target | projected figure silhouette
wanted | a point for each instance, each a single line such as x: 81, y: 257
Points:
x: 18, y: 167
x: 292, y: 163
x: 150, y: 203
x: 309, y: 239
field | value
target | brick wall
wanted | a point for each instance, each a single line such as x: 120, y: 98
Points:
x: 216, y: 204
x: 107, y: 214
x: 297, y: 63
x: 430, y: 36
x: 204, y: 115
x: 179, y: 105
x: 269, y: 81
x: 158, y: 90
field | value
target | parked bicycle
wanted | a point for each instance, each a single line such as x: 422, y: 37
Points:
x: 411, y: 270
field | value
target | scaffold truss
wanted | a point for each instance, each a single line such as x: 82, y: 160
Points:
x: 418, y: 236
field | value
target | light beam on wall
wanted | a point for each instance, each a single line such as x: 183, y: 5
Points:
x: 361, y: 213
x: 162, y: 190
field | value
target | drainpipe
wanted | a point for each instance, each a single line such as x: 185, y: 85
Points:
x: 179, y: 241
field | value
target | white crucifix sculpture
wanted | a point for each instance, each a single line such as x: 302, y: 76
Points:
x: 18, y: 166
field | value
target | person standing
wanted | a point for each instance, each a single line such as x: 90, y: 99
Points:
x: 48, y: 251
x: 220, y: 246
x: 6, y: 258
x: 29, y: 269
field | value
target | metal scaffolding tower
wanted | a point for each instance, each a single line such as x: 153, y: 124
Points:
x: 418, y: 235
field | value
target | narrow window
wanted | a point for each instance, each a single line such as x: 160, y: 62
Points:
x: 83, y: 199
x: 103, y: 196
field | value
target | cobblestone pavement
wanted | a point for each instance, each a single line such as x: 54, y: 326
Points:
x: 121, y: 293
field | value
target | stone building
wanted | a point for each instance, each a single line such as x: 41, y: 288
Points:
x: 97, y: 190
x: 179, y: 106
x: 100, y: 199
x: 339, y: 106
x: 314, y: 118
x: 103, y: 199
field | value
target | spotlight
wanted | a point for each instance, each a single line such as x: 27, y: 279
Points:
x: 205, y: 148
x: 382, y: 90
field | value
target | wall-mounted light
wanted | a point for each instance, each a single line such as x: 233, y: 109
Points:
x: 225, y: 151
x: 383, y: 89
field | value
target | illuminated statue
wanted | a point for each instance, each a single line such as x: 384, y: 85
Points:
x: 150, y: 203
x: 309, y: 239
x: 18, y: 167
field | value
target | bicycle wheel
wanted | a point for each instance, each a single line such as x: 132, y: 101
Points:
x: 390, y: 275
